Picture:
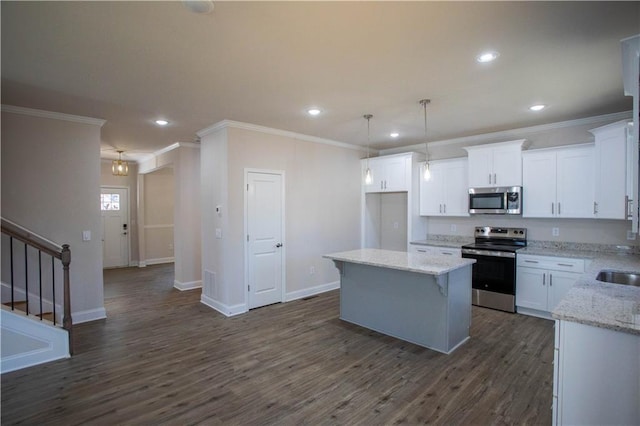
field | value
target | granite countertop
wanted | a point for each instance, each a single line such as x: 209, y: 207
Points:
x: 447, y: 241
x: 403, y: 261
x: 600, y: 304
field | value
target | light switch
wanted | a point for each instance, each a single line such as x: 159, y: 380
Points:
x: 218, y: 233
x: 86, y: 235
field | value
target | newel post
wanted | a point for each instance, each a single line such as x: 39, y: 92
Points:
x: 66, y: 319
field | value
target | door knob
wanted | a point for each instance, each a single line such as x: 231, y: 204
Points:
x: 279, y: 245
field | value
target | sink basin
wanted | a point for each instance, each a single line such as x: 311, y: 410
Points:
x: 619, y: 277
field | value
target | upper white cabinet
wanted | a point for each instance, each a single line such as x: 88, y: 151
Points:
x: 498, y: 164
x: 611, y: 184
x: 631, y: 81
x: 446, y: 193
x: 391, y: 173
x: 558, y: 182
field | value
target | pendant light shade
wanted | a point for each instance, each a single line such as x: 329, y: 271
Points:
x: 426, y: 172
x: 120, y: 167
x: 368, y: 178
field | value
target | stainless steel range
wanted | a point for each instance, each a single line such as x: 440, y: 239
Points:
x: 494, y: 273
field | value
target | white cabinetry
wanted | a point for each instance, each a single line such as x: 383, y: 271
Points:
x: 498, y: 164
x: 596, y: 376
x: 435, y: 250
x: 446, y: 193
x: 542, y: 281
x: 631, y: 82
x: 611, y: 192
x: 558, y: 182
x: 389, y: 173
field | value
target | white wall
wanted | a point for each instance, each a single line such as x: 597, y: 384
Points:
x: 184, y: 158
x: 159, y: 201
x: 322, y: 211
x: 51, y: 185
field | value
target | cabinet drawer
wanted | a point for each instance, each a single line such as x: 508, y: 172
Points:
x: 568, y: 264
x: 413, y: 248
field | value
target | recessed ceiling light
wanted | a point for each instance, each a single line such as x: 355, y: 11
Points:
x: 487, y: 57
x: 162, y: 122
x: 313, y: 111
x: 538, y: 107
x: 394, y: 134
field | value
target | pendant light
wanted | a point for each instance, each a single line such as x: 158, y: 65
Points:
x: 427, y: 172
x: 368, y: 179
x: 120, y: 167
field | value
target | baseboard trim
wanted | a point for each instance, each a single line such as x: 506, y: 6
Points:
x: 88, y: 315
x: 159, y: 261
x: 225, y: 310
x: 300, y: 294
x: 190, y: 285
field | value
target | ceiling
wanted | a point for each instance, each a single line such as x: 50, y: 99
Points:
x: 266, y: 63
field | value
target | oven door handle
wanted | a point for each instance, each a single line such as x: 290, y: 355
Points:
x: 489, y: 253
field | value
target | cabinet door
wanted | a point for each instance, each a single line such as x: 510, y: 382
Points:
x: 539, y: 184
x: 455, y: 189
x: 610, y: 172
x: 396, y: 174
x: 575, y: 182
x: 559, y: 284
x: 507, y: 166
x: 531, y: 288
x: 481, y: 168
x: 453, y: 252
x: 431, y: 192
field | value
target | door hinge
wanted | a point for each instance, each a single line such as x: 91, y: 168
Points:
x: 247, y: 187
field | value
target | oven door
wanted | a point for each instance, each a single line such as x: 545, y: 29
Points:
x: 493, y: 271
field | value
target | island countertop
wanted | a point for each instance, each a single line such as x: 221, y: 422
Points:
x: 403, y: 261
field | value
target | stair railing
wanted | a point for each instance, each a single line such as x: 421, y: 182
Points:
x: 54, y: 251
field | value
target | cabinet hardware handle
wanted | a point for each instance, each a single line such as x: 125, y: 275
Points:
x: 440, y: 208
x: 595, y: 208
x: 447, y: 253
x: 381, y: 185
x: 565, y: 264
x: 531, y: 261
x: 550, y: 280
x: 544, y: 279
x: 552, y: 207
x: 559, y: 209
x: 445, y: 208
x: 489, y: 178
x: 495, y: 180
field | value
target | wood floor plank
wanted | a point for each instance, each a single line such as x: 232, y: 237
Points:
x: 161, y: 357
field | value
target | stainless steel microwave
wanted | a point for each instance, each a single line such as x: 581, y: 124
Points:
x: 499, y: 200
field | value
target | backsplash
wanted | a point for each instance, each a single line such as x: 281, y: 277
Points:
x: 600, y: 248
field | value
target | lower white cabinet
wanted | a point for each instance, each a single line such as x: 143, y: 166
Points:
x: 542, y: 281
x: 435, y: 250
x: 596, y: 377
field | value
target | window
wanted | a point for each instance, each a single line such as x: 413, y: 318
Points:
x: 110, y: 202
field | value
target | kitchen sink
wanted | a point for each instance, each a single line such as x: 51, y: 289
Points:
x: 619, y: 277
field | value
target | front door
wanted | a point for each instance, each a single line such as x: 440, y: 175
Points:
x: 264, y: 238
x: 114, y: 205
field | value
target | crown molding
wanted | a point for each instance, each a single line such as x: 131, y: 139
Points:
x: 52, y: 115
x: 224, y: 124
x: 517, y: 133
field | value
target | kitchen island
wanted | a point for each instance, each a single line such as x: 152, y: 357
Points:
x: 423, y: 299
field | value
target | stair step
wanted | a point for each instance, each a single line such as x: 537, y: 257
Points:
x: 21, y: 305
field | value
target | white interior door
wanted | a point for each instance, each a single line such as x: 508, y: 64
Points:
x: 264, y: 238
x: 114, y: 205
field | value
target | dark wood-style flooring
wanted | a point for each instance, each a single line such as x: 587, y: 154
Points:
x: 161, y: 357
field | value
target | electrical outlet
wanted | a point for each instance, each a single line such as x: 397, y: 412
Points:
x: 631, y: 235
x: 312, y: 270
x: 396, y: 225
x: 555, y: 232
x: 453, y: 228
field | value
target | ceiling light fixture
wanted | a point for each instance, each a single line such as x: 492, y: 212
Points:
x: 394, y: 134
x: 367, y: 174
x: 427, y: 172
x: 487, y: 57
x: 161, y: 122
x: 120, y: 167
x: 199, y: 6
x: 538, y: 107
x: 313, y: 111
